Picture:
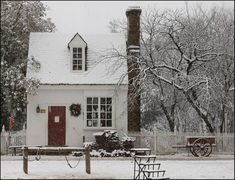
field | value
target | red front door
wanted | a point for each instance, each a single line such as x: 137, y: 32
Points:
x: 56, y: 125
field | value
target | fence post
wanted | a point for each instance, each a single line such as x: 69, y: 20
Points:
x: 9, y: 140
x: 222, y: 141
x: 155, y: 138
x: 3, y: 140
x: 88, y: 160
x: 25, y: 159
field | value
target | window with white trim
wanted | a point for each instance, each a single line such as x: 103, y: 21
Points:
x: 99, y: 112
x: 77, y: 58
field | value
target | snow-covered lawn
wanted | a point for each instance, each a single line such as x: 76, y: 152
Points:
x: 115, y: 168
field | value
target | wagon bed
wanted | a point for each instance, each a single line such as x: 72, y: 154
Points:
x: 198, y: 145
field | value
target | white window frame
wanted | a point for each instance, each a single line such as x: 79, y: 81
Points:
x: 82, y: 59
x: 99, y: 113
x: 77, y: 59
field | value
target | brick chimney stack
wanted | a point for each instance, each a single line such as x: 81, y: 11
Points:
x: 133, y: 47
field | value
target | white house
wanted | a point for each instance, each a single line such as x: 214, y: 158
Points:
x: 73, y: 71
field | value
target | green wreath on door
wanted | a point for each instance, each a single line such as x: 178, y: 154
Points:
x: 75, y: 109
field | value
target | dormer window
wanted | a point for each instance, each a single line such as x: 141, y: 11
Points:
x: 77, y: 58
x: 78, y: 54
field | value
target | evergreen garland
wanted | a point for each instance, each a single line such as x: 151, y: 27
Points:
x: 75, y: 109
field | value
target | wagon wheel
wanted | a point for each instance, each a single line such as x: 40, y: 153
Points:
x: 191, y: 149
x: 201, y: 147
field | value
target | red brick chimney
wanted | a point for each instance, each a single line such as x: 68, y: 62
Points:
x: 133, y: 47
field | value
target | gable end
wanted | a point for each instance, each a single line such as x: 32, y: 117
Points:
x: 74, y: 38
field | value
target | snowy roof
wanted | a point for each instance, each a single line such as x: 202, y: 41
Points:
x: 52, y: 52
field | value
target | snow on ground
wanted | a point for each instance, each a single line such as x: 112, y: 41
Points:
x: 114, y: 168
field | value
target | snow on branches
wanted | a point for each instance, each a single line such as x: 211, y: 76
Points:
x: 18, y: 19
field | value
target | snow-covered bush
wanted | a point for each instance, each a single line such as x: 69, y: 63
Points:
x: 107, y: 140
x: 114, y: 153
x: 108, y: 144
x: 127, y: 142
x: 77, y: 153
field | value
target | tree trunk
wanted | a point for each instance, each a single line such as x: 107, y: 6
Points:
x: 222, y: 116
x: 168, y: 117
x: 200, y: 113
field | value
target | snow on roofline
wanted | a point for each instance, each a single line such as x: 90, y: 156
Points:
x: 133, y: 47
x: 131, y: 8
x: 134, y: 50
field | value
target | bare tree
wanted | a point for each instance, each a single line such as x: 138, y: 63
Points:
x: 186, y: 60
x: 177, y: 50
x: 221, y: 71
x: 117, y: 26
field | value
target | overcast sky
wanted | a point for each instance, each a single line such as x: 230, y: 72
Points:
x: 93, y: 16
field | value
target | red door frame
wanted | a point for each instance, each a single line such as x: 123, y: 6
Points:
x: 56, y: 125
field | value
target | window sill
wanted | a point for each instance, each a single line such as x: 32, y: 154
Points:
x: 98, y: 128
x: 78, y: 71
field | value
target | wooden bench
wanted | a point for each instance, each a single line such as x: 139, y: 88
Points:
x: 198, y: 145
x: 14, y: 149
x: 28, y: 149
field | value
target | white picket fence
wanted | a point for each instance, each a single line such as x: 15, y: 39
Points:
x: 14, y: 138
x: 161, y: 143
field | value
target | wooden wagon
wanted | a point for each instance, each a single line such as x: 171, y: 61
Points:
x: 198, y: 145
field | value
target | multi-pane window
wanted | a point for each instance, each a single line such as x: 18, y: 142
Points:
x: 99, y: 112
x: 77, y: 58
x: 92, y: 112
x: 106, y: 112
